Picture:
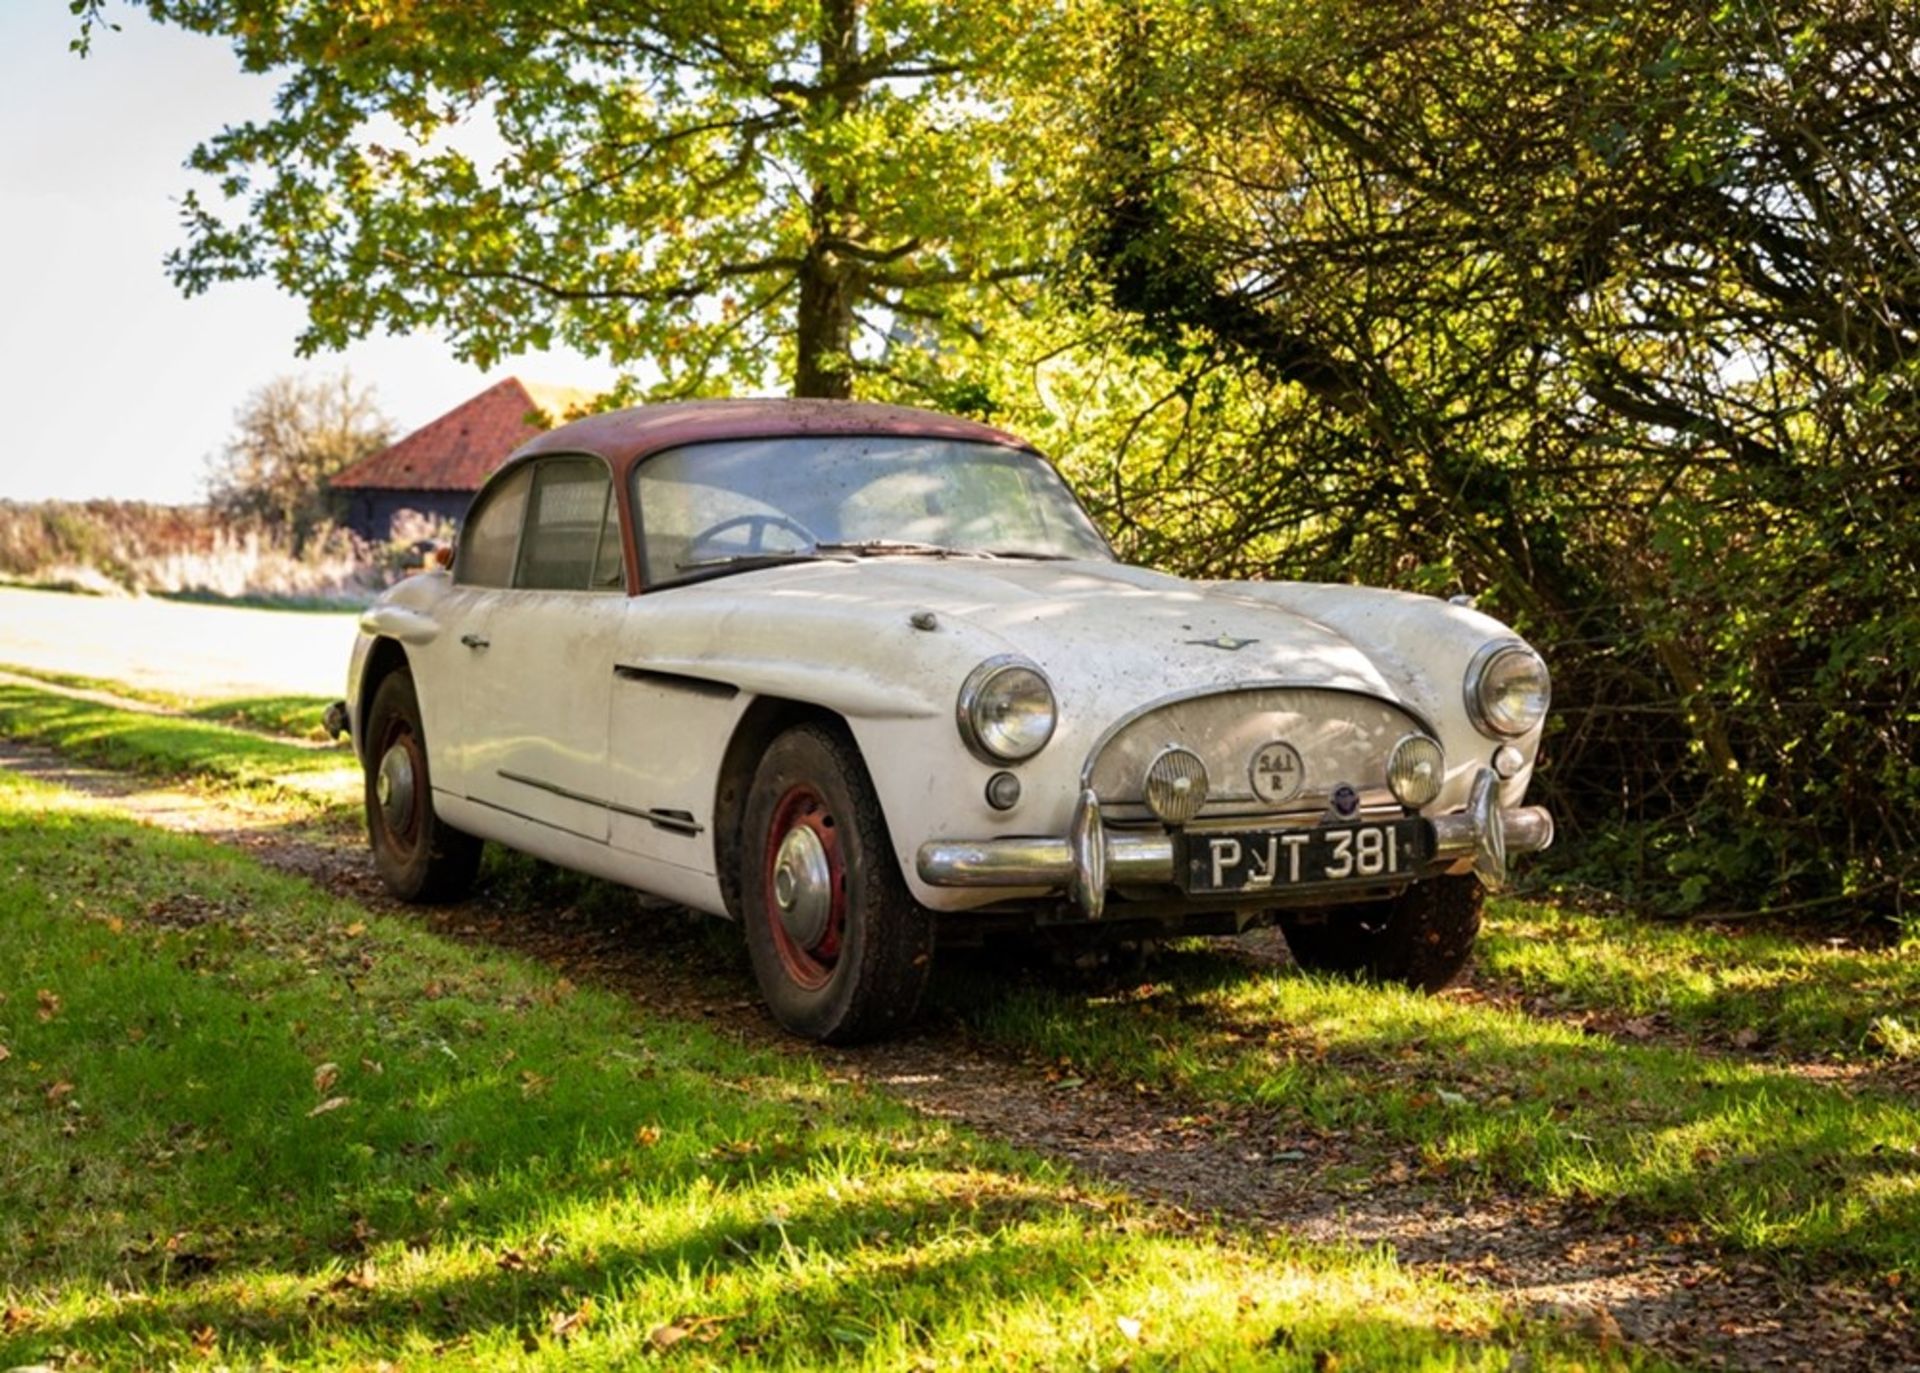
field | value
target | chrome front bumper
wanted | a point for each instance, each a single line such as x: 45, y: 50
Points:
x: 1090, y: 859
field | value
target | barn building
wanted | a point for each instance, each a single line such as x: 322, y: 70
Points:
x: 434, y: 471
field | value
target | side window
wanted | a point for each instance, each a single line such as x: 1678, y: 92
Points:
x: 491, y: 539
x: 567, y: 525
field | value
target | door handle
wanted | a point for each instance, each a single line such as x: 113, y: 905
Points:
x: 474, y: 641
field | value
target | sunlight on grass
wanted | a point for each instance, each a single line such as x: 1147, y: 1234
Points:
x: 324, y: 780
x: 1799, y: 994
x: 1759, y: 1157
x: 243, y: 1121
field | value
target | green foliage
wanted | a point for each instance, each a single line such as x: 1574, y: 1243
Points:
x: 708, y: 194
x: 1614, y: 318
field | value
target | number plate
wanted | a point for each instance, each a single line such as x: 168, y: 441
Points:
x: 1251, y: 860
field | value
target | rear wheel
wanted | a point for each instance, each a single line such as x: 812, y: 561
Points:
x: 1421, y: 938
x: 418, y: 855
x: 840, y: 948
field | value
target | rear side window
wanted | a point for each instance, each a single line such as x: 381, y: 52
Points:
x: 573, y: 530
x: 491, y: 540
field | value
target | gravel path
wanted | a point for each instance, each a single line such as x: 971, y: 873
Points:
x: 1660, y: 1292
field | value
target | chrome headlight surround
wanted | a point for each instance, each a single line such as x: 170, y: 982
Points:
x: 1492, y: 678
x: 993, y: 694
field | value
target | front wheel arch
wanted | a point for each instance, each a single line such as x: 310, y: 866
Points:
x: 384, y: 658
x: 763, y: 721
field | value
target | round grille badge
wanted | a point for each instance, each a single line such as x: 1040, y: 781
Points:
x: 1277, y: 772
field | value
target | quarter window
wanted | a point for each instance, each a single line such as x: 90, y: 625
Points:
x: 570, y: 524
x: 491, y: 540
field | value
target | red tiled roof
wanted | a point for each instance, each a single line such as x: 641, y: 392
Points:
x: 458, y: 451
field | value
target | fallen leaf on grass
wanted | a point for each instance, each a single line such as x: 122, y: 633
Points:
x: 15, y: 1319
x: 58, y: 1090
x: 1129, y: 1326
x: 533, y: 1084
x: 647, y: 1136
x: 1640, y: 1027
x: 356, y: 929
x: 705, y: 1329
x: 566, y: 1323
x: 1746, y: 1039
x: 324, y: 1077
x: 332, y: 1103
x: 5, y: 1053
x: 363, y: 1279
x: 49, y: 1004
x: 206, y: 1340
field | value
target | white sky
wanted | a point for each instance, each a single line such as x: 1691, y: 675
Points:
x: 111, y: 382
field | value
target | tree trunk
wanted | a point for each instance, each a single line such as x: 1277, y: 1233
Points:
x: 824, y: 327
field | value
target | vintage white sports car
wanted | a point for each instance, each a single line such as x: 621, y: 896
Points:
x: 866, y: 678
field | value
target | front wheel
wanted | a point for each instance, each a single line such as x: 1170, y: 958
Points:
x: 840, y: 948
x: 418, y: 855
x: 1421, y: 938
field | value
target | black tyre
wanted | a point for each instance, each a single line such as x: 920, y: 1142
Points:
x: 1421, y: 939
x: 418, y: 855
x: 839, y: 946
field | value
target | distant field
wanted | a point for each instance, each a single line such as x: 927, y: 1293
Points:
x: 199, y: 651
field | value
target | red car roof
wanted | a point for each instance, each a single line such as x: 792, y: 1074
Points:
x: 624, y: 436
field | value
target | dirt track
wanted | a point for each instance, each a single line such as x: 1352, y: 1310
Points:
x: 1684, y: 1300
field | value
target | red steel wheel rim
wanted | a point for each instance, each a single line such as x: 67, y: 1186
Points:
x: 405, y: 837
x: 810, y: 966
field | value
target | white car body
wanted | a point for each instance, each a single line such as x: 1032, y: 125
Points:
x: 611, y: 733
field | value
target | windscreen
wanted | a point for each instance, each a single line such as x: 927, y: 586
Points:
x: 707, y: 504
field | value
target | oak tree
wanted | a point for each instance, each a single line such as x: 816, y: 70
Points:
x: 716, y: 192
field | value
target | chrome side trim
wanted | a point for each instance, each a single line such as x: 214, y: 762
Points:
x: 677, y: 821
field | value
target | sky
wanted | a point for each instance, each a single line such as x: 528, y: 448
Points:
x: 112, y: 383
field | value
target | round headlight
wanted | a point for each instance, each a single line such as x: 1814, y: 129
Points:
x: 1507, y: 690
x: 1006, y: 710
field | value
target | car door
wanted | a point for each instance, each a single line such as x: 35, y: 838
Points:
x: 540, y: 660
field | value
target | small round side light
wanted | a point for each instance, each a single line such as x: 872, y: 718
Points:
x: 1003, y: 791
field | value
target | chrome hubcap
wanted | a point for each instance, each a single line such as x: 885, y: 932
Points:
x: 803, y: 886
x: 394, y: 787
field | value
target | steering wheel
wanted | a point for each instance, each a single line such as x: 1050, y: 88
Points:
x: 757, y: 527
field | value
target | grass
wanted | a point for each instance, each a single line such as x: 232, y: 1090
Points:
x: 321, y: 782
x: 245, y: 1122
x: 1761, y: 989
x: 1813, y: 1174
x: 296, y: 717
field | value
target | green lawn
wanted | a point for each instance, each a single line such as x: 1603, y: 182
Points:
x: 1825, y: 1174
x: 1761, y: 990
x: 296, y: 717
x: 241, y: 1120
x: 319, y: 781
x: 1822, y: 1175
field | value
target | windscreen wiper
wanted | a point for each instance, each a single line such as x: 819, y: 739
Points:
x: 886, y: 546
